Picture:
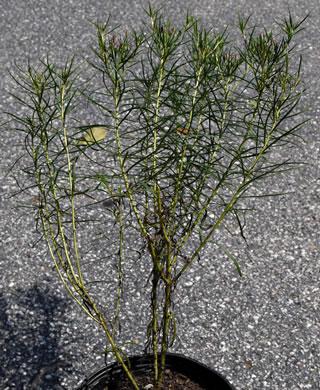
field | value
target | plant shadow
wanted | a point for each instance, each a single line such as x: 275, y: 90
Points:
x: 32, y: 356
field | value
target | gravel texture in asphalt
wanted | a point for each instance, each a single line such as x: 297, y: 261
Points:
x: 262, y: 330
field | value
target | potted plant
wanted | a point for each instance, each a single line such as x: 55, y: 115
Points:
x: 184, y: 127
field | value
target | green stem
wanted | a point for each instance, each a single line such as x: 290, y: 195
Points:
x: 165, y: 330
x: 231, y: 202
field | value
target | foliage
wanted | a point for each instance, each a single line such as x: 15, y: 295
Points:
x: 189, y: 125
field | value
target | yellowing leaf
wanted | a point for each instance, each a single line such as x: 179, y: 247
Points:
x: 93, y: 135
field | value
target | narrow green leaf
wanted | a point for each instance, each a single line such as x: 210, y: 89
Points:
x: 230, y: 256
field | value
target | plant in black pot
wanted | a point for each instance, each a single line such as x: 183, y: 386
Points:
x: 184, y: 127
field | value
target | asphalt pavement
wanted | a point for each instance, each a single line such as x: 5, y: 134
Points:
x: 261, y: 331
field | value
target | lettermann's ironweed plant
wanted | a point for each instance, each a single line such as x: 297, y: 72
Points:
x: 187, y: 125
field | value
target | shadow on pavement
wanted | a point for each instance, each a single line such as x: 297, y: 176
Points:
x: 32, y: 355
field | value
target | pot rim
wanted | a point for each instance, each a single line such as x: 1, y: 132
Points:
x: 193, y: 369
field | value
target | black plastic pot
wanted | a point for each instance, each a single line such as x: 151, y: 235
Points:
x: 206, y: 377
